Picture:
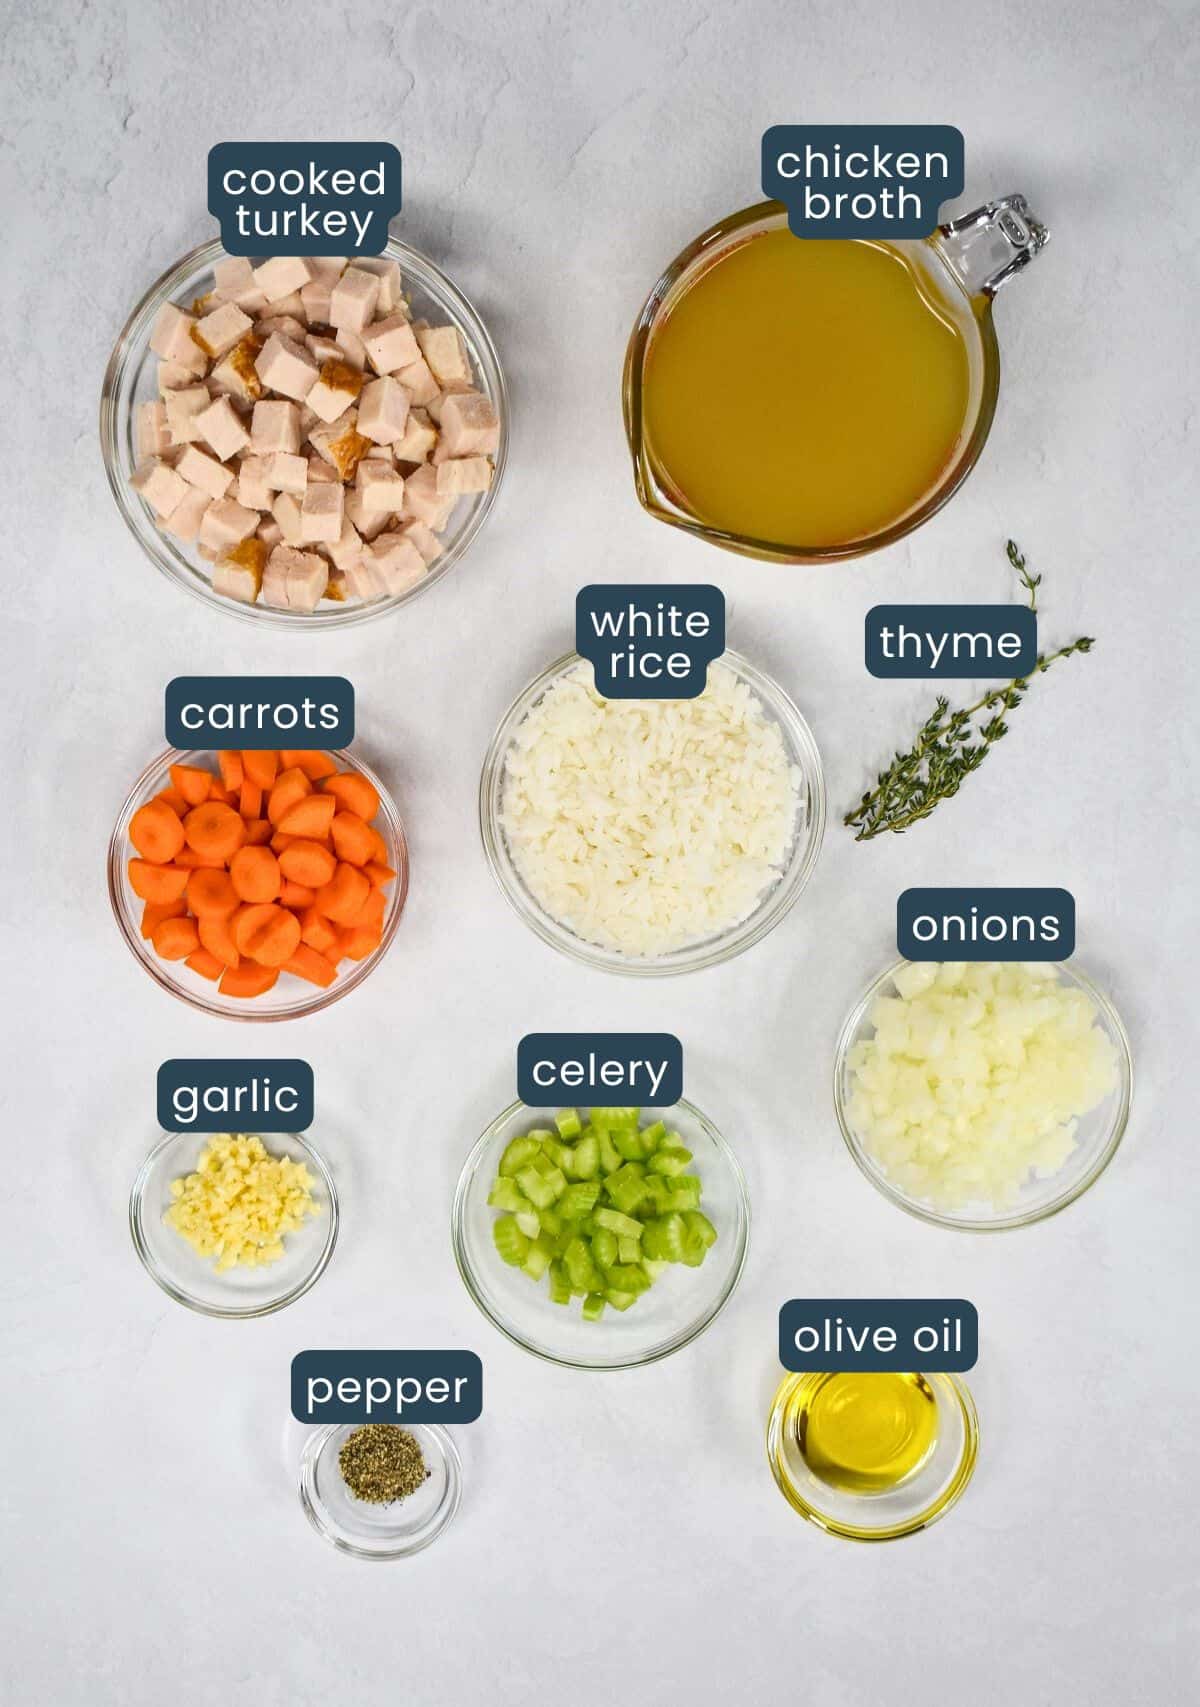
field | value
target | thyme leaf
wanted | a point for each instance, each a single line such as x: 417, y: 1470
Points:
x: 950, y: 744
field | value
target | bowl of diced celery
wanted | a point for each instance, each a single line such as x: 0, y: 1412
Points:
x: 602, y: 1238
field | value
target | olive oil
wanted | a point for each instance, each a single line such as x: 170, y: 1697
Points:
x: 807, y: 394
x: 864, y: 1433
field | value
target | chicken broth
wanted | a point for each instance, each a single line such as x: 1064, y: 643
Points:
x: 807, y: 394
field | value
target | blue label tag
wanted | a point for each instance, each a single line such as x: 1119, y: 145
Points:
x: 235, y: 1096
x: 651, y: 642
x: 304, y: 198
x: 937, y: 1335
x: 985, y: 924
x: 862, y: 180
x: 260, y: 712
x: 387, y: 1386
x: 601, y: 1069
x: 951, y: 642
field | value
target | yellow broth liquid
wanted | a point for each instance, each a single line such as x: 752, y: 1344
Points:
x: 805, y: 393
x: 865, y: 1432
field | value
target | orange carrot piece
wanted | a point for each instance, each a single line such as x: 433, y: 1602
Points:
x: 217, y: 938
x: 192, y: 782
x: 297, y: 896
x: 353, y: 793
x: 260, y: 768
x: 353, y: 838
x: 307, y: 863
x: 214, y: 830
x: 171, y: 797
x: 158, y: 883
x: 248, y: 921
x: 268, y: 934
x: 154, y: 912
x: 255, y: 874
x: 341, y: 899
x: 250, y: 800
x: 307, y: 963
x: 175, y: 939
x: 317, y: 932
x: 311, y: 816
x: 156, y: 832
x: 289, y: 788
x: 359, y: 942
x: 381, y: 875
x: 371, y: 913
x: 211, y: 894
x: 206, y: 964
x: 379, y: 848
x: 248, y: 980
x: 199, y: 862
x: 258, y: 832
x: 218, y: 791
x: 313, y: 763
x: 232, y: 771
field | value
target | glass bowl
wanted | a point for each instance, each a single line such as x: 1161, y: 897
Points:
x: 194, y: 1280
x: 290, y: 997
x: 802, y: 753
x: 130, y: 379
x: 379, y: 1531
x: 911, y: 1505
x: 677, y: 1308
x: 1096, y: 1140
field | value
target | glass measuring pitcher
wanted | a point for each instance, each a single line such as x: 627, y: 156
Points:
x: 802, y: 401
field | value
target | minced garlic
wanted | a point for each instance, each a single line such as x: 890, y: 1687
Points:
x: 241, y: 1201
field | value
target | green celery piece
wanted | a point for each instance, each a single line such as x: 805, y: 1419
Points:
x: 628, y: 1250
x: 510, y: 1242
x: 624, y: 1226
x: 700, y: 1227
x: 656, y: 1193
x: 615, y: 1119
x: 626, y: 1187
x: 694, y: 1252
x: 685, y: 1193
x: 620, y: 1300
x: 537, y: 1258
x: 655, y: 1270
x: 609, y: 1159
x: 581, y: 1270
x: 543, y: 1189
x: 518, y: 1154
x: 540, y: 1133
x: 579, y: 1200
x: 543, y: 1163
x: 568, y: 1123
x: 551, y: 1220
x: 627, y: 1142
x: 604, y: 1247
x: 629, y: 1277
x: 530, y: 1222
x: 560, y: 1285
x: 585, y: 1228
x: 560, y: 1155
x: 664, y: 1239
x: 506, y: 1194
x: 560, y: 1241
x: 668, y: 1160
x: 585, y: 1162
x: 652, y: 1136
x: 593, y: 1307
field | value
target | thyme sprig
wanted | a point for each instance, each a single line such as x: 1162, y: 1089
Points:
x: 950, y: 744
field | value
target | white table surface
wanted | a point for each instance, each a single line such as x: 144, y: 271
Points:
x: 620, y: 1540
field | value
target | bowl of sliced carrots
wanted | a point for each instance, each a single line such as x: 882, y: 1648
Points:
x: 258, y: 885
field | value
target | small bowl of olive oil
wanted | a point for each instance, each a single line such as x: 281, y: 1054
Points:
x: 872, y: 1455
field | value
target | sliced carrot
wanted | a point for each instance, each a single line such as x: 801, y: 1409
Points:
x: 353, y: 838
x: 353, y: 793
x: 218, y: 791
x: 317, y: 932
x: 315, y: 765
x: 250, y: 800
x: 206, y: 964
x: 359, y: 942
x: 158, y: 883
x: 307, y: 963
x: 156, y: 832
x: 192, y: 782
x: 311, y: 816
x: 154, y: 912
x: 217, y: 938
x: 289, y: 788
x: 278, y: 842
x: 307, y: 863
x: 297, y: 896
x: 199, y: 862
x: 232, y: 772
x: 371, y: 914
x: 267, y: 934
x: 258, y: 832
x: 211, y: 895
x: 379, y: 848
x: 342, y: 897
x: 248, y: 980
x: 248, y: 921
x: 175, y: 939
x: 214, y: 830
x: 255, y: 874
x: 381, y: 875
x: 171, y: 797
x: 260, y: 768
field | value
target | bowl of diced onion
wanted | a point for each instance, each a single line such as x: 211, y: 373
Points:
x: 983, y: 1095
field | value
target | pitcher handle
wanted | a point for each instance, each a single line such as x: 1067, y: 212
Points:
x: 985, y: 248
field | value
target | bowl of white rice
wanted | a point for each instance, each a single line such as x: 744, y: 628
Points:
x: 652, y: 837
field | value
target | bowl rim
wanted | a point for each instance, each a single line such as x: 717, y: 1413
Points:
x: 676, y: 1342
x: 317, y: 1514
x: 1023, y: 1218
x: 772, y: 908
x: 128, y: 346
x: 221, y: 1312
x: 933, y: 1512
x: 320, y: 999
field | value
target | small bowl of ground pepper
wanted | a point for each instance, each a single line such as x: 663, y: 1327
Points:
x: 380, y: 1491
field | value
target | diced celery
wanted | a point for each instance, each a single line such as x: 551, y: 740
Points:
x: 657, y: 1192
x: 605, y: 1247
x: 655, y: 1270
x: 668, y: 1160
x: 561, y: 1155
x: 624, y: 1226
x: 579, y: 1200
x: 609, y: 1159
x: 510, y: 1242
x: 561, y: 1240
x: 530, y: 1222
x: 551, y: 1220
x: 627, y: 1142
x: 541, y: 1133
x: 506, y: 1194
x: 542, y: 1188
x: 560, y: 1284
x: 616, y: 1119
x: 628, y: 1250
x: 664, y: 1238
x: 700, y: 1227
x: 537, y: 1258
x: 694, y: 1252
x: 685, y: 1193
x: 620, y: 1300
x: 568, y: 1123
x: 585, y: 1161
x: 542, y: 1162
x: 626, y: 1187
x: 518, y: 1154
x: 652, y: 1136
x: 593, y: 1307
x: 582, y: 1271
x: 629, y: 1277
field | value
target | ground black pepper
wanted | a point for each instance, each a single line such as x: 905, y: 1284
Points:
x: 381, y: 1463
